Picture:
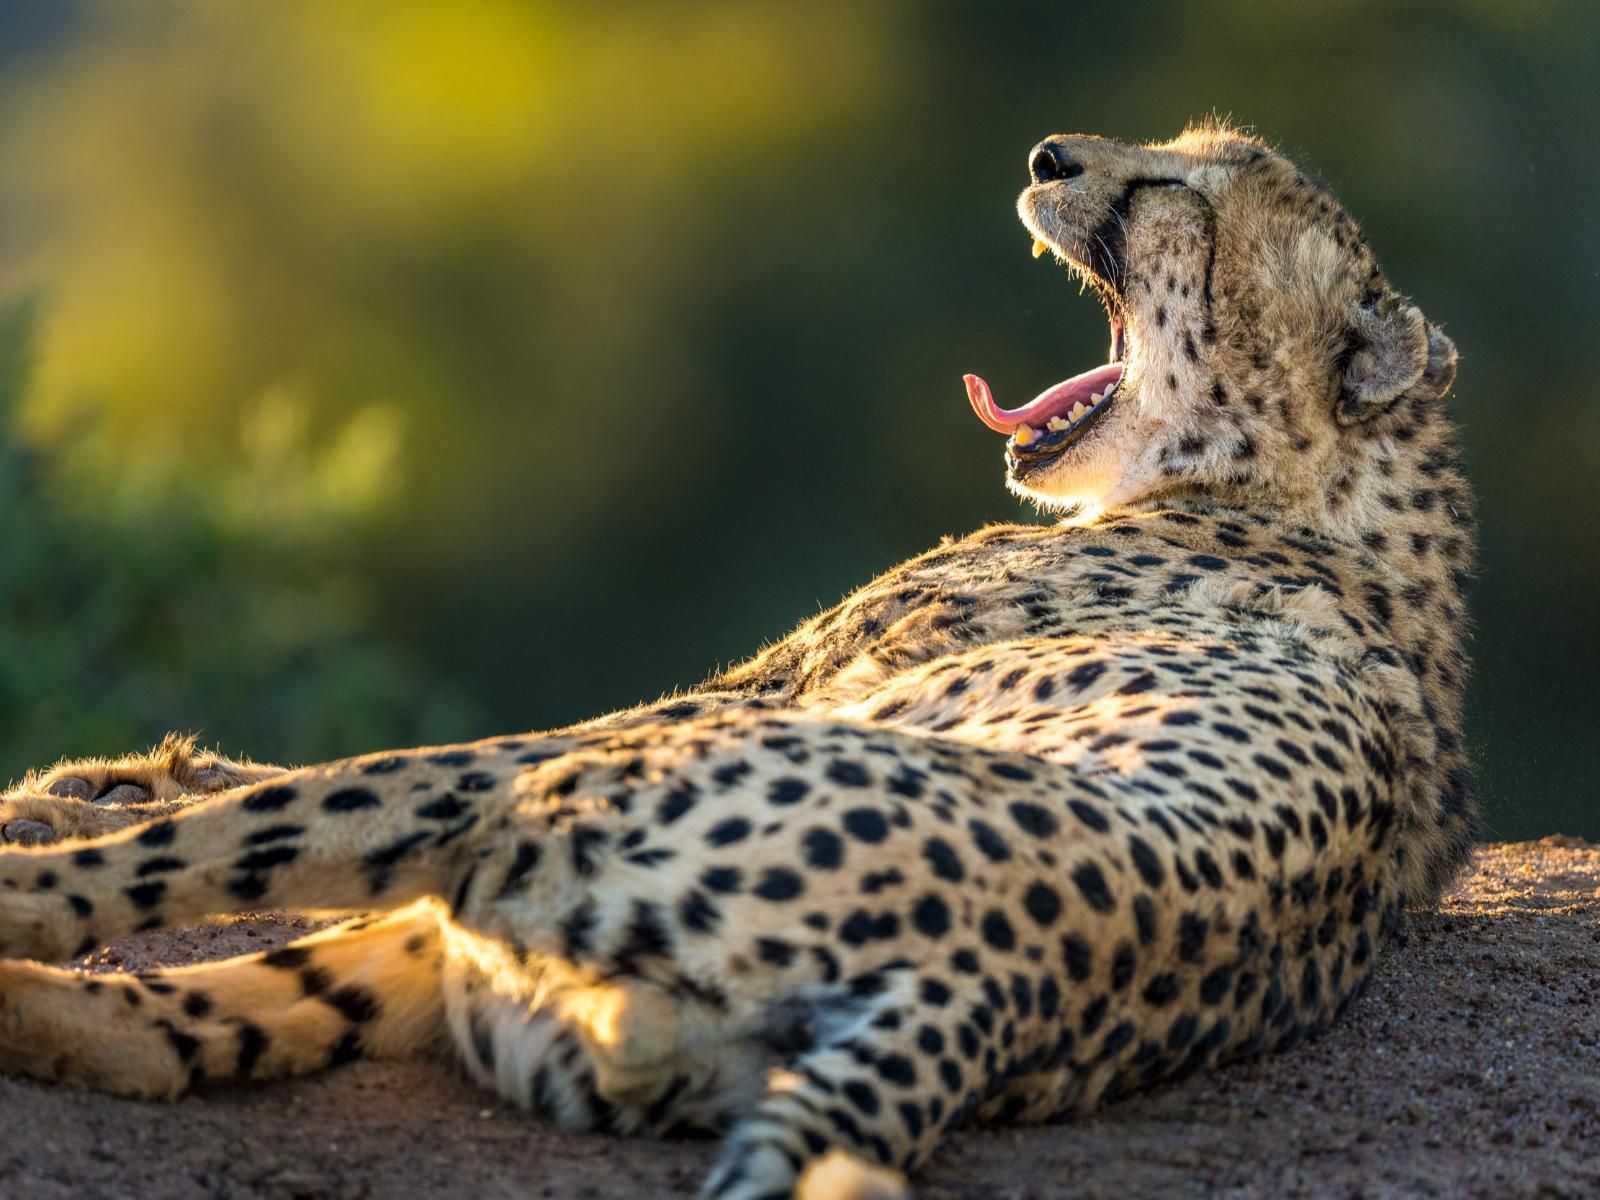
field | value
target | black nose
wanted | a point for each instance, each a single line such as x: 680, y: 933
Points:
x: 1050, y: 161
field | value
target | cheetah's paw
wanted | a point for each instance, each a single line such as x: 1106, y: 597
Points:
x: 87, y: 798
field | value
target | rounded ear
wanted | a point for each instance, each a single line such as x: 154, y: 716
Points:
x: 1386, y: 354
x: 1440, y: 372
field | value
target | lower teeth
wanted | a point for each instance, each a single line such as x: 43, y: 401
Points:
x: 1025, y: 434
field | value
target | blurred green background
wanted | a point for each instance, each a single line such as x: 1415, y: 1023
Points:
x: 376, y: 372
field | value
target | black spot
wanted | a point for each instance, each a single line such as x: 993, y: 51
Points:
x: 80, y: 907
x: 1144, y: 916
x: 1084, y: 674
x: 675, y: 803
x: 1182, y: 1032
x: 1146, y: 862
x: 1091, y: 817
x: 908, y: 782
x: 646, y: 935
x: 386, y: 765
x: 1010, y: 771
x: 586, y: 840
x: 197, y: 1005
x: 778, y: 884
x: 848, y: 774
x: 997, y: 930
x: 787, y: 791
x: 444, y: 808
x: 824, y: 849
x: 1163, y: 989
x: 160, y: 833
x: 729, y: 774
x: 274, y: 833
x: 931, y: 917
x: 866, y: 825
x: 1216, y: 985
x: 1042, y: 902
x: 945, y: 863
x: 452, y: 758
x: 272, y: 856
x: 1033, y: 819
x: 1077, y: 956
x: 1142, y: 682
x: 1192, y: 930
x: 286, y: 958
x: 159, y: 866
x: 378, y: 861
x: 950, y: 1074
x: 526, y: 860
x: 992, y: 845
x: 356, y: 1004
x: 1271, y: 766
x: 350, y: 800
x: 1122, y: 967
x: 315, y: 980
x: 145, y: 896
x: 270, y: 799
x: 698, y: 913
x: 724, y: 880
x: 88, y: 858
x: 775, y: 951
x: 346, y: 1050
x: 862, y: 1095
x: 723, y: 833
x: 897, y: 1069
x: 182, y: 1043
x: 861, y: 927
x: 1094, y: 1013
x: 577, y: 930
x: 1092, y: 884
x: 253, y: 1043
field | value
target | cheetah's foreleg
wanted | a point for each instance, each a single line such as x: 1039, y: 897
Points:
x: 361, y: 835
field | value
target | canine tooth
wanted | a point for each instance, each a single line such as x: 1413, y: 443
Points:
x: 1095, y: 398
x: 1056, y: 425
x: 1039, y: 247
x: 1077, y: 411
x: 1023, y: 435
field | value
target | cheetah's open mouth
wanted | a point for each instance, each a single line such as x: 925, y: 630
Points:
x: 1059, y: 416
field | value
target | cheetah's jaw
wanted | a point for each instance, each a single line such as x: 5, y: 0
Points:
x: 1057, y: 416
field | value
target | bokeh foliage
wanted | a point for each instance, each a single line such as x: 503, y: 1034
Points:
x: 384, y: 370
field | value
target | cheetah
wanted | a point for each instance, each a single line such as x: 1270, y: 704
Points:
x: 1045, y: 816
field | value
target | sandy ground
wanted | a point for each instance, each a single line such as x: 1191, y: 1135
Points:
x: 1471, y: 1069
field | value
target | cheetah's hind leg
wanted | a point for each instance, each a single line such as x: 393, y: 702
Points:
x: 356, y: 990
x: 90, y: 797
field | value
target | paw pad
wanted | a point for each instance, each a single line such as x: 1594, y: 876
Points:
x: 125, y: 793
x: 72, y: 787
x: 27, y: 833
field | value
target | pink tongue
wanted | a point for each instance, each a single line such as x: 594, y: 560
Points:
x: 1052, y: 402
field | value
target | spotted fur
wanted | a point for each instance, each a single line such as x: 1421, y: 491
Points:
x: 1042, y: 817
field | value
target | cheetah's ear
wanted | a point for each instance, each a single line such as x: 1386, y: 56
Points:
x: 1389, y: 350
x: 1440, y: 372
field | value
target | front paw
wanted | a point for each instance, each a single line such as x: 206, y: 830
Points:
x: 32, y: 819
x: 86, y: 798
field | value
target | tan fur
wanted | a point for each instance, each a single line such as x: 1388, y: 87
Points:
x: 1036, y: 819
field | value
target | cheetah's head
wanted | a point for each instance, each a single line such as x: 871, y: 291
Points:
x: 1258, y: 354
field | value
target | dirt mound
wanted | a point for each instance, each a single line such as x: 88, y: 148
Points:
x: 1471, y: 1069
